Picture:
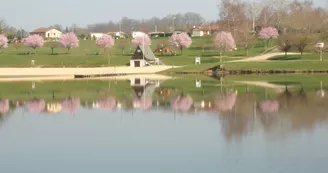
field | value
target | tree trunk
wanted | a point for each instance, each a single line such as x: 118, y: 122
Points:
x: 246, y: 52
x: 52, y: 51
x: 181, y: 49
x: 285, y: 53
x: 122, y: 52
x: 220, y: 56
x: 68, y: 50
x: 301, y: 54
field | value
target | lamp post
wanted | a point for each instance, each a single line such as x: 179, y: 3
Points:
x: 173, y: 24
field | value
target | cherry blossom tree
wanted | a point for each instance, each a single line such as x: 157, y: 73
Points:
x: 4, y: 106
x: 69, y: 41
x: 269, y: 106
x: 182, y: 103
x: 105, y: 42
x: 226, y: 101
x: 140, y: 40
x: 180, y: 41
x: 34, y: 41
x: 108, y: 103
x: 36, y: 105
x: 267, y: 34
x: 143, y: 103
x: 224, y: 41
x: 3, y: 42
x: 70, y: 104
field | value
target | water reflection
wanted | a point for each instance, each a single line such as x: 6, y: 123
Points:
x: 239, y: 109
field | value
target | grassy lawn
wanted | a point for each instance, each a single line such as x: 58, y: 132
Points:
x: 277, y: 65
x: 85, y: 54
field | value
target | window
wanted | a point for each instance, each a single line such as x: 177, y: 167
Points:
x: 54, y: 34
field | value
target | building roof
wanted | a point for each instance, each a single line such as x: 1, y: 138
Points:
x: 43, y: 30
x: 144, y: 51
x: 207, y: 28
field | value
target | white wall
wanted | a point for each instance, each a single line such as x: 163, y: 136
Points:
x: 197, y: 33
x: 137, y: 34
x: 142, y: 63
x: 54, y: 33
x: 97, y: 35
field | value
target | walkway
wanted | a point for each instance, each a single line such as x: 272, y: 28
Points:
x: 263, y: 57
x: 71, y: 77
x: 81, y: 71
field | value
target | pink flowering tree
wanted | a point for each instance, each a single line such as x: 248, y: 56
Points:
x: 226, y: 101
x: 36, y: 105
x: 267, y: 34
x: 108, y: 103
x: 182, y: 103
x: 34, y: 41
x: 144, y: 103
x: 269, y: 106
x: 4, y: 106
x: 224, y: 42
x: 3, y: 42
x: 180, y: 41
x: 70, y: 104
x: 69, y: 41
x: 141, y: 40
x: 105, y: 42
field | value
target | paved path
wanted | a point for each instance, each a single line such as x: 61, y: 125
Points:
x: 264, y: 84
x: 263, y: 57
x: 81, y: 71
x: 71, y: 77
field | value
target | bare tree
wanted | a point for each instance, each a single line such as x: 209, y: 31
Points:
x: 2, y: 26
x: 123, y: 44
x: 284, y: 44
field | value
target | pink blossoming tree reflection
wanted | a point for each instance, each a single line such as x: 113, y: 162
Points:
x: 70, y: 104
x: 36, y: 105
x: 182, y: 103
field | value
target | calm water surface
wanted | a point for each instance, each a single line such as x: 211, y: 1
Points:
x: 258, y: 131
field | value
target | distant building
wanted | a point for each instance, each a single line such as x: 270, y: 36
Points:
x: 137, y: 34
x: 54, y: 107
x: 47, y: 32
x: 118, y: 34
x: 199, y: 31
x: 95, y: 35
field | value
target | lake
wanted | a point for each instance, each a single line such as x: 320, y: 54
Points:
x: 186, y: 124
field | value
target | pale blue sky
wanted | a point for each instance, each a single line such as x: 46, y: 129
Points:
x: 31, y: 14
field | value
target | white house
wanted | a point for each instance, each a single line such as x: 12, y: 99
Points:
x: 117, y: 34
x: 47, y: 32
x: 95, y: 35
x: 137, y: 34
x: 144, y: 56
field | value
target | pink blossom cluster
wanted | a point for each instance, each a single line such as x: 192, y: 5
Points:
x: 269, y: 106
x: 143, y: 103
x: 268, y: 33
x: 36, y: 105
x: 182, y: 103
x: 4, y: 106
x: 105, y: 41
x: 224, y: 41
x: 225, y: 102
x: 34, y: 41
x: 70, y: 104
x: 180, y: 41
x: 69, y: 41
x: 140, y: 40
x: 3, y: 42
x: 108, y: 103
